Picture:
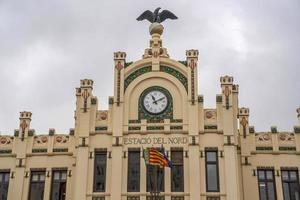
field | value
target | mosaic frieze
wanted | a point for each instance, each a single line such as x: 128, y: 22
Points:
x: 136, y: 74
x: 165, y: 69
x: 176, y: 74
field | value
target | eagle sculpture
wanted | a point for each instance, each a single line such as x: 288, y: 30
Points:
x: 156, y: 16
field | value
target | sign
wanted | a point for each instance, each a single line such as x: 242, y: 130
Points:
x: 155, y: 140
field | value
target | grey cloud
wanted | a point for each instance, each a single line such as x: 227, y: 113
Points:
x: 48, y: 46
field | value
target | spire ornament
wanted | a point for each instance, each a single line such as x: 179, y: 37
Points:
x: 155, y: 18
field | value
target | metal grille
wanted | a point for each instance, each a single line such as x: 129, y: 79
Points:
x: 177, y: 198
x: 98, y: 198
x: 133, y: 198
x: 157, y: 198
x: 213, y: 198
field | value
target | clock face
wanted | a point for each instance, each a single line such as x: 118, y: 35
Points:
x: 155, y: 102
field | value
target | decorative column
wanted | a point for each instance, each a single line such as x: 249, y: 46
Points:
x: 232, y: 176
x: 119, y: 59
x: 192, y: 59
x: 16, y: 185
x: 244, y: 122
x: 117, y: 128
x: 193, y: 124
x: 83, y: 125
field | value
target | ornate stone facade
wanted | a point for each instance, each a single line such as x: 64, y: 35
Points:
x: 185, y: 125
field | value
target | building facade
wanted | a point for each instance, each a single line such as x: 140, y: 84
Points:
x: 216, y: 154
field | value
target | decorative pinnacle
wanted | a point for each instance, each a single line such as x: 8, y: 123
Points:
x: 86, y: 83
x: 226, y: 79
x: 25, y: 115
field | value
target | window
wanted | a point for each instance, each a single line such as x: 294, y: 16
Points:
x: 100, y: 171
x: 177, y: 180
x: 266, y: 184
x: 59, y: 184
x: 155, y: 178
x: 212, y: 171
x: 4, y: 181
x: 290, y: 184
x: 37, y: 184
x: 133, y: 178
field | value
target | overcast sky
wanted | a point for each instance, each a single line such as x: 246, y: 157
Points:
x: 46, y: 47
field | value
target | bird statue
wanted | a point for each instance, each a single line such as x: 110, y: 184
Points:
x: 156, y: 16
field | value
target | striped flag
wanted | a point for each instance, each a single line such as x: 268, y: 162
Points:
x: 153, y: 156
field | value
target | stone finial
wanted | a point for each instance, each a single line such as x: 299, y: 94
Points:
x: 274, y: 129
x: 25, y: 115
x: 51, y: 131
x: 192, y: 53
x: 226, y: 80
x: 25, y: 118
x: 86, y: 83
x: 156, y: 28
x: 243, y: 111
x: 235, y: 88
x: 119, y: 55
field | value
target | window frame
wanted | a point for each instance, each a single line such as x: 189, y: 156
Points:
x: 100, y: 152
x: 289, y: 181
x: 61, y: 171
x: 266, y: 181
x: 177, y: 150
x: 39, y: 172
x: 2, y: 180
x: 216, y: 163
x: 138, y: 151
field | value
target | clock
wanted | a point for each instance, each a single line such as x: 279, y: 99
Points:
x: 155, y: 101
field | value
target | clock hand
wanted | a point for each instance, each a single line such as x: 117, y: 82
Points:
x: 158, y: 100
x: 153, y: 98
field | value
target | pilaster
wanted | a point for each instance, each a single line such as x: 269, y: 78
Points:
x: 193, y: 121
x: 118, y: 112
x: 231, y: 162
x: 84, y: 116
x: 20, y: 146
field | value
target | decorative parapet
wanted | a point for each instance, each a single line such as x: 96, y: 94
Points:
x: 263, y: 139
x: 61, y: 140
x: 40, y: 140
x: 102, y: 115
x: 6, y: 141
x: 286, y: 139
